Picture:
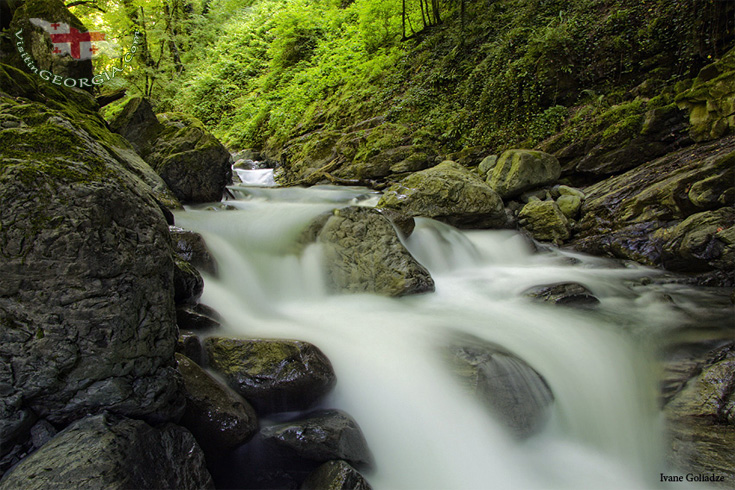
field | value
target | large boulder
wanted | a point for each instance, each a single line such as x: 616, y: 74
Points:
x: 545, y: 221
x: 514, y: 392
x: 335, y: 475
x: 449, y: 193
x: 701, y: 419
x: 28, y: 18
x: 273, y: 375
x: 644, y: 214
x: 219, y: 418
x: 137, y: 123
x: 87, y: 318
x: 110, y: 452
x: 363, y: 254
x: 517, y: 171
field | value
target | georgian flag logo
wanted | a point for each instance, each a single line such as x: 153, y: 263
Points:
x: 69, y: 41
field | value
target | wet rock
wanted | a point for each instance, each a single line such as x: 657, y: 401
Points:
x: 564, y: 294
x: 86, y: 299
x: 404, y: 224
x: 515, y: 393
x: 194, y: 317
x: 545, y: 221
x: 106, y: 451
x: 335, y: 475
x: 322, y: 436
x: 190, y: 345
x: 364, y: 255
x: 273, y: 375
x: 188, y: 283
x: 190, y: 246
x: 449, y: 193
x: 517, y: 171
x: 701, y: 419
x: 219, y: 418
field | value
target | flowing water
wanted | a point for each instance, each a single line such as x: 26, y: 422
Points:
x: 423, y: 429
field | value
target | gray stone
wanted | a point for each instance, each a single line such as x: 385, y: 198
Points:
x: 273, y: 375
x: 105, y: 451
x: 364, y: 255
x: 219, y: 418
x: 449, y: 193
x: 520, y: 170
x: 336, y: 475
x: 563, y: 294
x: 190, y: 246
x: 138, y: 124
x: 188, y: 283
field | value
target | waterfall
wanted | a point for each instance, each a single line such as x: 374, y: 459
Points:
x: 424, y: 430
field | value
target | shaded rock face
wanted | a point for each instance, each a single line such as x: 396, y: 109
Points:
x: 188, y: 283
x: 37, y: 42
x: 190, y: 246
x: 563, y: 294
x: 106, y: 451
x: 273, y: 375
x: 219, y: 418
x: 517, y: 171
x: 701, y: 419
x: 642, y: 214
x: 363, y: 254
x: 322, y: 436
x: 515, y: 393
x: 335, y: 475
x: 86, y: 302
x: 189, y: 158
x: 449, y: 193
x: 545, y: 221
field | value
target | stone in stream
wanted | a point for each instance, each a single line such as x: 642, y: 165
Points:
x: 190, y: 246
x: 196, y: 317
x: 701, y: 419
x: 87, y: 318
x: 219, y: 418
x: 273, y: 375
x: 450, y: 193
x: 517, y: 171
x: 335, y: 475
x: 188, y: 283
x: 515, y: 393
x: 563, y: 294
x: 190, y: 345
x: 111, y: 452
x: 364, y: 254
x: 544, y: 221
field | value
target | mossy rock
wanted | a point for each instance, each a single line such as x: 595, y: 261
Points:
x: 450, y: 193
x: 517, y: 171
x: 545, y: 221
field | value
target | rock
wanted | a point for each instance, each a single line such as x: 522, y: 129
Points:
x: 404, y: 224
x: 86, y: 299
x: 565, y: 190
x: 137, y: 123
x: 563, y: 294
x: 413, y: 163
x: 190, y: 246
x: 515, y: 393
x: 711, y: 100
x: 545, y: 221
x: 190, y: 345
x: 517, y: 171
x: 363, y: 254
x: 621, y: 215
x: 336, y: 475
x: 188, y: 283
x: 701, y: 418
x: 322, y: 436
x: 219, y: 418
x: 448, y: 193
x: 106, y: 451
x: 569, y: 205
x: 192, y: 317
x: 37, y: 42
x: 273, y: 375
x: 487, y: 165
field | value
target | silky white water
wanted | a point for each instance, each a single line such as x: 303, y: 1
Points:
x: 424, y: 431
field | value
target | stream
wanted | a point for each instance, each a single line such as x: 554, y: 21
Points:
x: 425, y: 431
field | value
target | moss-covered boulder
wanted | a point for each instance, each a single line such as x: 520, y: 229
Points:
x: 273, y: 375
x: 517, y: 171
x: 335, y: 475
x: 711, y: 100
x: 36, y: 43
x: 138, y: 124
x: 363, y: 254
x: 544, y: 221
x: 219, y: 418
x: 106, y: 451
x: 449, y: 193
x: 87, y: 318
